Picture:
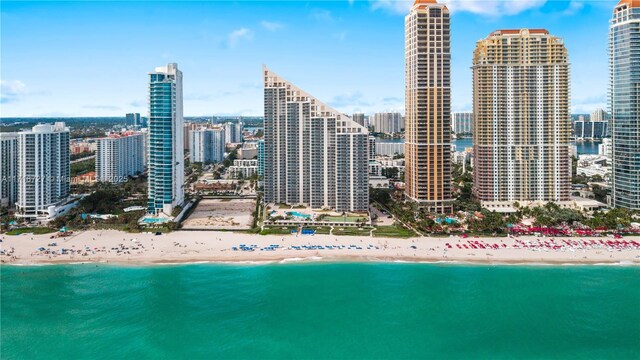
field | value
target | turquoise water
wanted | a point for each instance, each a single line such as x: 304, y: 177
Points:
x: 299, y: 214
x: 154, y: 220
x: 321, y: 311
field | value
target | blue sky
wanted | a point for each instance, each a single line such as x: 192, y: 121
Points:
x: 92, y: 58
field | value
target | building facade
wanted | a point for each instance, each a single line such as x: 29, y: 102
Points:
x: 624, y: 102
x: 360, y: 119
x: 428, y: 106
x: 387, y: 122
x: 119, y: 156
x: 599, y: 115
x: 133, y: 119
x: 8, y: 170
x: 166, y: 148
x: 43, y: 170
x: 313, y: 154
x: 261, y: 157
x: 207, y: 145
x: 522, y: 128
x: 462, y: 123
x: 233, y: 132
x: 589, y: 129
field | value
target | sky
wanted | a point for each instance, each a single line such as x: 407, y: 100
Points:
x: 92, y: 58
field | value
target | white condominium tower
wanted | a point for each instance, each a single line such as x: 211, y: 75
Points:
x: 43, y: 170
x: 207, y: 145
x: 313, y: 154
x: 166, y: 148
x: 387, y: 122
x: 8, y: 169
x: 522, y: 121
x: 119, y: 156
x: 624, y: 102
x: 428, y: 106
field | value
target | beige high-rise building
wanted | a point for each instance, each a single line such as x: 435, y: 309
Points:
x: 428, y: 106
x: 522, y: 121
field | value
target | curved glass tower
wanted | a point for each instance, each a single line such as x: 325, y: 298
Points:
x: 624, y: 62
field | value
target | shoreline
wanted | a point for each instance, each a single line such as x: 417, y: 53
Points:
x: 111, y: 247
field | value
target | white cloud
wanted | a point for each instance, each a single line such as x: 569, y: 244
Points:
x: 237, y: 35
x: 321, y: 15
x: 271, y: 26
x: 493, y: 8
x: 12, y: 90
x: 574, y: 7
x: 341, y: 35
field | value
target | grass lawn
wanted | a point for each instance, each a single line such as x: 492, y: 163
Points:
x: 33, y: 230
x: 393, y: 231
x: 278, y: 230
x: 343, y: 218
x: 353, y: 231
x: 321, y: 230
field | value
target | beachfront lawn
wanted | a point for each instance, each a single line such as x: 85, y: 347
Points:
x: 278, y: 230
x: 31, y: 230
x: 352, y: 231
x: 393, y: 231
x: 350, y: 219
x: 321, y: 230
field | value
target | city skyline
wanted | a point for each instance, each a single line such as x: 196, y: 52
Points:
x: 222, y: 56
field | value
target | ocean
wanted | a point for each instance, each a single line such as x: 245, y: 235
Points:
x: 320, y: 311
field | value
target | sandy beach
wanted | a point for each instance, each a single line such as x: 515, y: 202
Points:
x: 110, y: 246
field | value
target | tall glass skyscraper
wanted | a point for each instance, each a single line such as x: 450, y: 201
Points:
x: 166, y: 148
x: 624, y: 101
x: 427, y: 124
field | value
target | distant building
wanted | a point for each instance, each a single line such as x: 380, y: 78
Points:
x: 389, y: 148
x: 243, y: 169
x: 599, y: 115
x: 314, y: 155
x: 43, y: 170
x: 166, y: 137
x: 249, y: 150
x: 120, y: 156
x: 521, y: 155
x: 589, y: 129
x: 624, y: 102
x: 207, y: 145
x: 604, y: 148
x: 462, y: 123
x: 372, y: 147
x: 133, y: 119
x: 360, y: 119
x: 8, y: 169
x: 261, y: 157
x: 387, y: 122
x: 233, y: 132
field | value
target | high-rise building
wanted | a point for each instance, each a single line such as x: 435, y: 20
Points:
x: 360, y: 119
x: 8, y: 169
x: 428, y: 106
x: 313, y: 155
x: 522, y: 128
x: 166, y: 148
x: 261, y: 157
x: 387, y: 122
x: 188, y: 128
x: 119, y: 156
x: 624, y: 102
x: 462, y: 123
x: 233, y: 132
x: 599, y: 115
x: 43, y: 170
x: 133, y: 119
x: 372, y: 147
x: 207, y: 145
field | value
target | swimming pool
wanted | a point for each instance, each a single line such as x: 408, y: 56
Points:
x: 154, y: 220
x: 299, y: 214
